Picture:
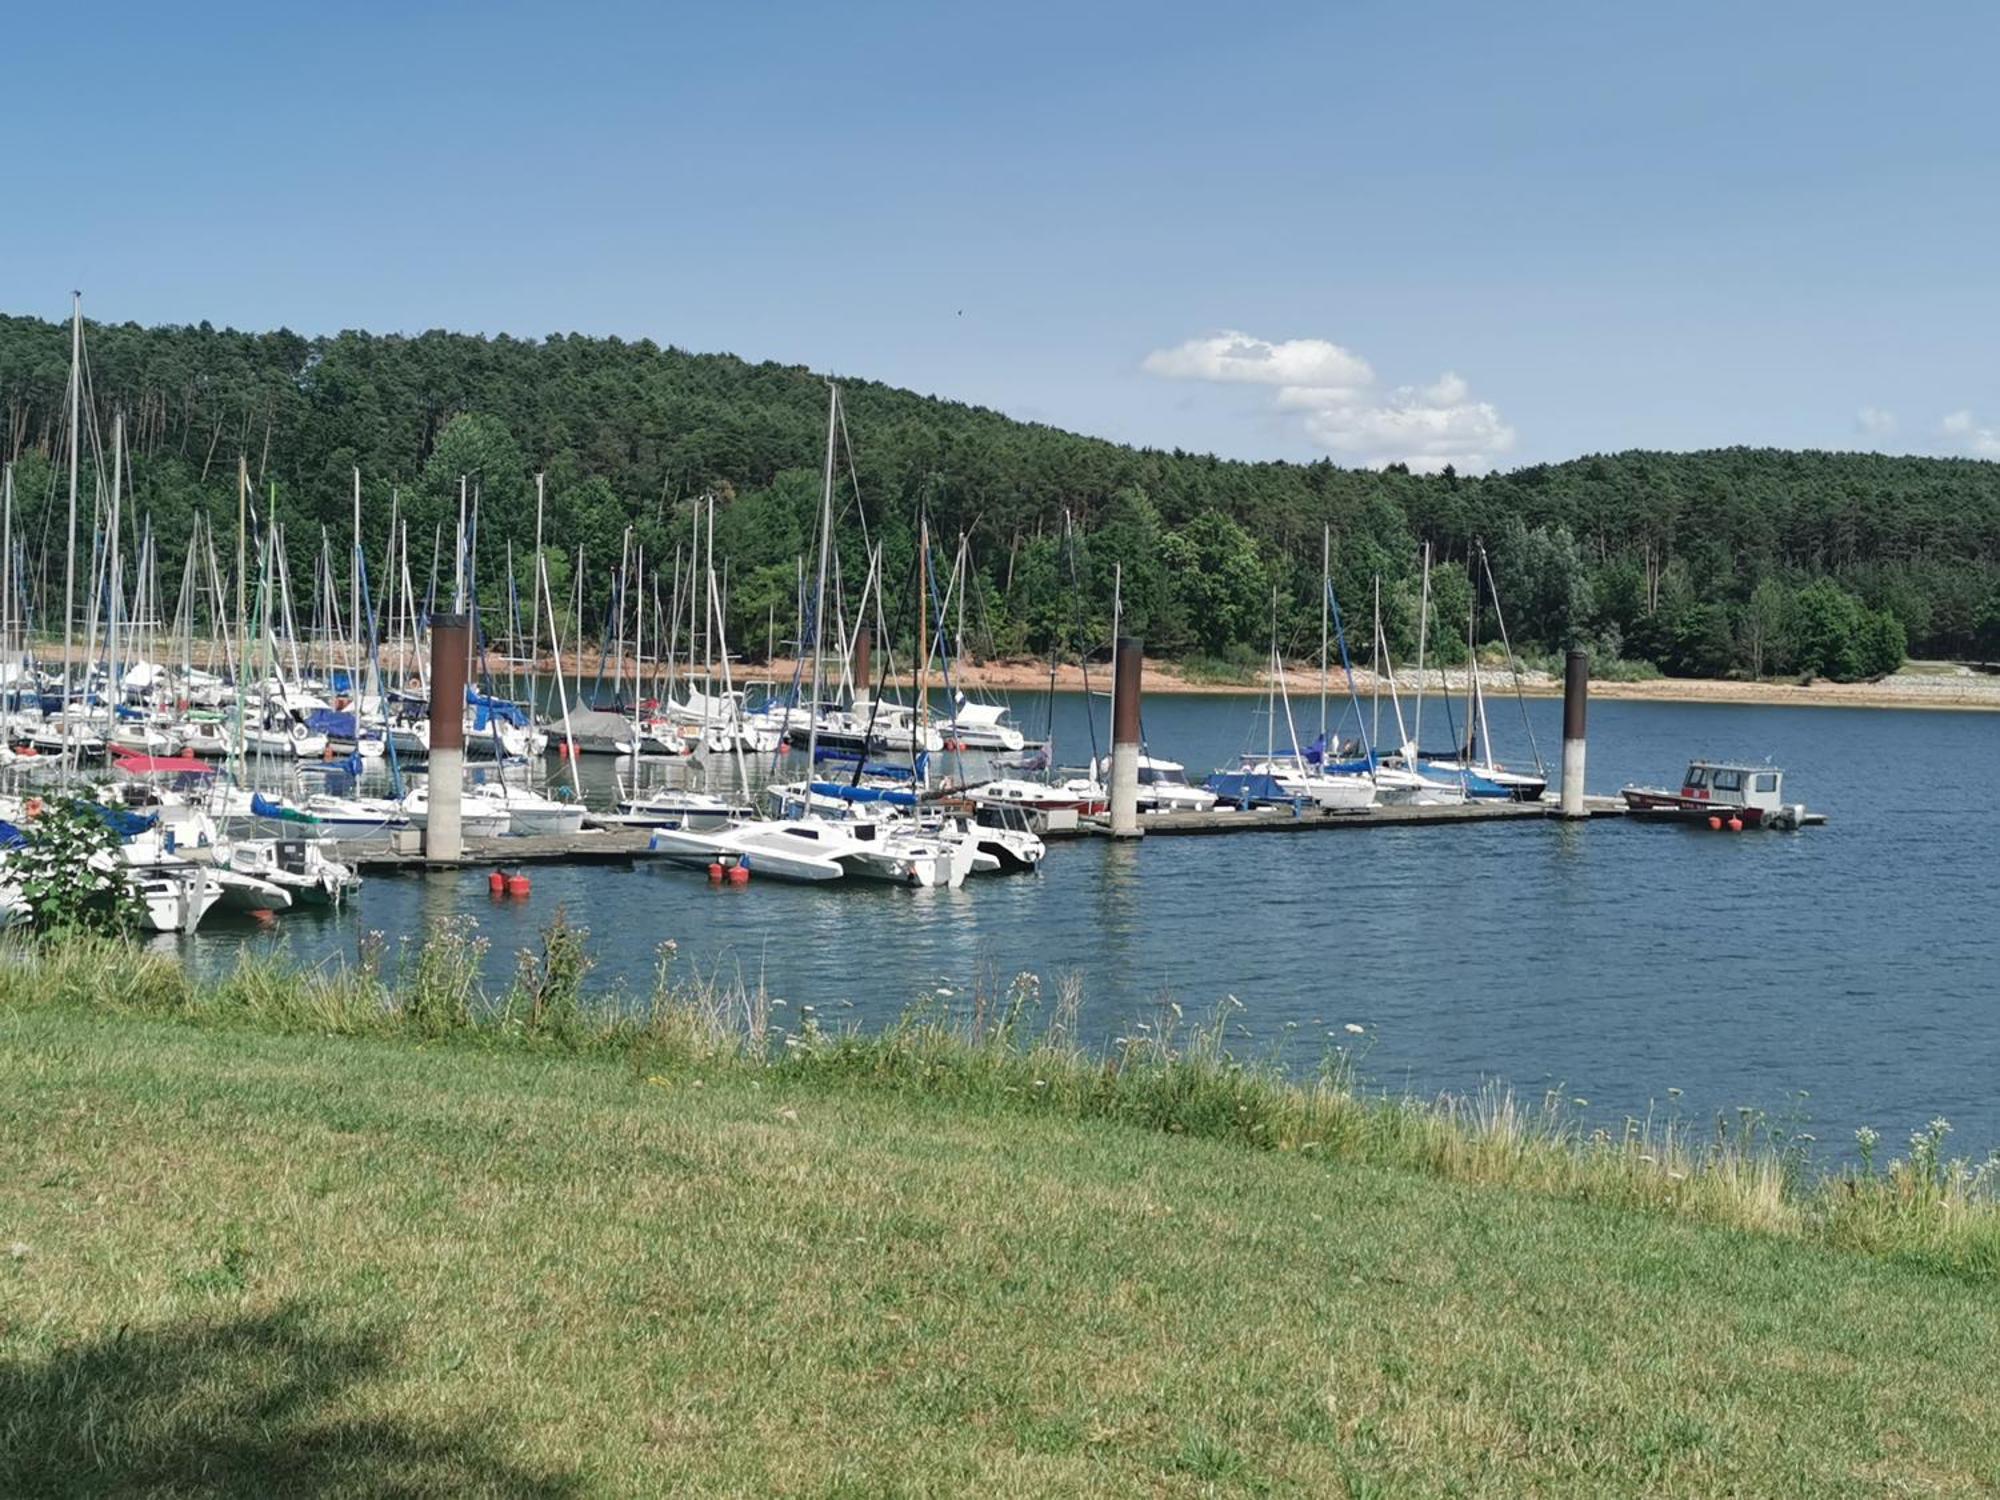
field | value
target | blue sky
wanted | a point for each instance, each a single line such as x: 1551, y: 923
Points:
x: 1474, y: 233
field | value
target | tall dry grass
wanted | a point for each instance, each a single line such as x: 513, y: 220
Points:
x: 1013, y: 1048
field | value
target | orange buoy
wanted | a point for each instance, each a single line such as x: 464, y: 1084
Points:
x: 739, y: 875
x: 715, y: 873
x: 1715, y: 823
x: 497, y: 882
x: 518, y: 885
x: 1735, y: 825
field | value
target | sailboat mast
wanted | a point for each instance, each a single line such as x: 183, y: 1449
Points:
x: 819, y: 587
x: 75, y: 442
x: 1423, y: 629
x: 1325, y: 574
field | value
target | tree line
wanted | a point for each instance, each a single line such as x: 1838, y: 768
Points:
x: 1746, y: 561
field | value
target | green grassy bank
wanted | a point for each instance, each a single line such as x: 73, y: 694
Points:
x: 335, y: 1235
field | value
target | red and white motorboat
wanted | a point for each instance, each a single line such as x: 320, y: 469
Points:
x: 1720, y: 794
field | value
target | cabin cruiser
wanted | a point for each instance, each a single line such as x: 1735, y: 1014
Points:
x: 1004, y: 833
x: 674, y: 807
x: 353, y: 818
x: 1036, y: 796
x: 876, y: 728
x: 1163, y: 786
x: 801, y: 849
x: 1276, y: 779
x: 300, y: 867
x: 983, y: 726
x: 479, y: 816
x: 530, y: 811
x: 1722, y: 794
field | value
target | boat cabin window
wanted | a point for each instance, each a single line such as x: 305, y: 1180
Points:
x: 1729, y: 781
x: 1767, y: 781
x: 1697, y: 776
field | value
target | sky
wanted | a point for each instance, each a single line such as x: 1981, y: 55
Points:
x: 1474, y: 234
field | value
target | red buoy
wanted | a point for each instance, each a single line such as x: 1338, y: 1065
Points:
x: 739, y: 875
x: 1735, y: 825
x: 518, y: 885
x: 1715, y: 823
x: 497, y: 882
x: 715, y: 873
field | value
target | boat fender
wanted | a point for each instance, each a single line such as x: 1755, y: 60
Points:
x: 1715, y: 823
x: 715, y: 873
x: 519, y: 885
x: 740, y: 875
x: 497, y: 882
x: 1735, y: 825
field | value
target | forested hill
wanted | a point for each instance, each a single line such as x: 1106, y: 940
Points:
x: 1703, y: 563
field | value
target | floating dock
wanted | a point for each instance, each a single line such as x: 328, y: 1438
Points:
x: 1300, y: 820
x: 591, y: 846
x: 626, y: 846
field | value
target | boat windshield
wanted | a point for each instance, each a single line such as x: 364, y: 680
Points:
x: 1696, y: 776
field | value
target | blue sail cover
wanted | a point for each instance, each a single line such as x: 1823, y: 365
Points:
x: 894, y: 773
x: 10, y: 836
x: 264, y: 807
x: 125, y: 824
x: 486, y: 710
x: 332, y: 723
x: 1247, y: 788
x: 894, y: 796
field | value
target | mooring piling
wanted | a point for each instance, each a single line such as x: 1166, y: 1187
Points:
x: 444, y: 837
x: 1125, y: 659
x: 1576, y: 698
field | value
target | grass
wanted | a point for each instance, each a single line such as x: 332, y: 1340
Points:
x: 373, y: 1233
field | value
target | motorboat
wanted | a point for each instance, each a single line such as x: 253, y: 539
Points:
x: 1722, y: 794
x: 983, y: 726
x: 479, y: 816
x: 301, y: 867
x: 1004, y: 833
x: 530, y: 811
x: 355, y: 818
x: 1163, y: 786
x: 801, y: 849
x: 1036, y: 796
x: 674, y: 807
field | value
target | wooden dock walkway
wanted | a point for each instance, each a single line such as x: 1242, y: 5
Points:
x: 591, y: 846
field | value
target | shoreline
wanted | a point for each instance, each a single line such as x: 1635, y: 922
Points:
x: 1921, y: 685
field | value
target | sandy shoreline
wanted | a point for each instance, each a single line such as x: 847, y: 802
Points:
x: 1930, y: 685
x: 1957, y: 689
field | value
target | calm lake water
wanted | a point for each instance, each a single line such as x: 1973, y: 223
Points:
x: 1848, y: 974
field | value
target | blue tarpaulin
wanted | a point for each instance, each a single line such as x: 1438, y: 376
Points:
x: 10, y: 836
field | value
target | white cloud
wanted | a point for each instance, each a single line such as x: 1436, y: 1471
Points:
x: 1875, y: 422
x: 1239, y: 357
x: 1332, y: 390
x: 1969, y: 437
x: 1425, y: 428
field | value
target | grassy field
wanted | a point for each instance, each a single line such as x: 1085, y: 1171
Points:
x: 242, y: 1254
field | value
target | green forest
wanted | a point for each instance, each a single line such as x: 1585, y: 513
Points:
x: 1751, y: 562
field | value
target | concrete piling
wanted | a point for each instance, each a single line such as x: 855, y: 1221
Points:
x: 444, y: 837
x: 1125, y: 739
x: 1576, y: 698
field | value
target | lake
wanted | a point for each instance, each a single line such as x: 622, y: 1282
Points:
x: 1846, y: 975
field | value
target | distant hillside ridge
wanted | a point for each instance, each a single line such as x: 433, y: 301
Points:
x: 1730, y: 561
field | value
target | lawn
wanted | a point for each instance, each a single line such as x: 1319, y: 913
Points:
x: 240, y: 1262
